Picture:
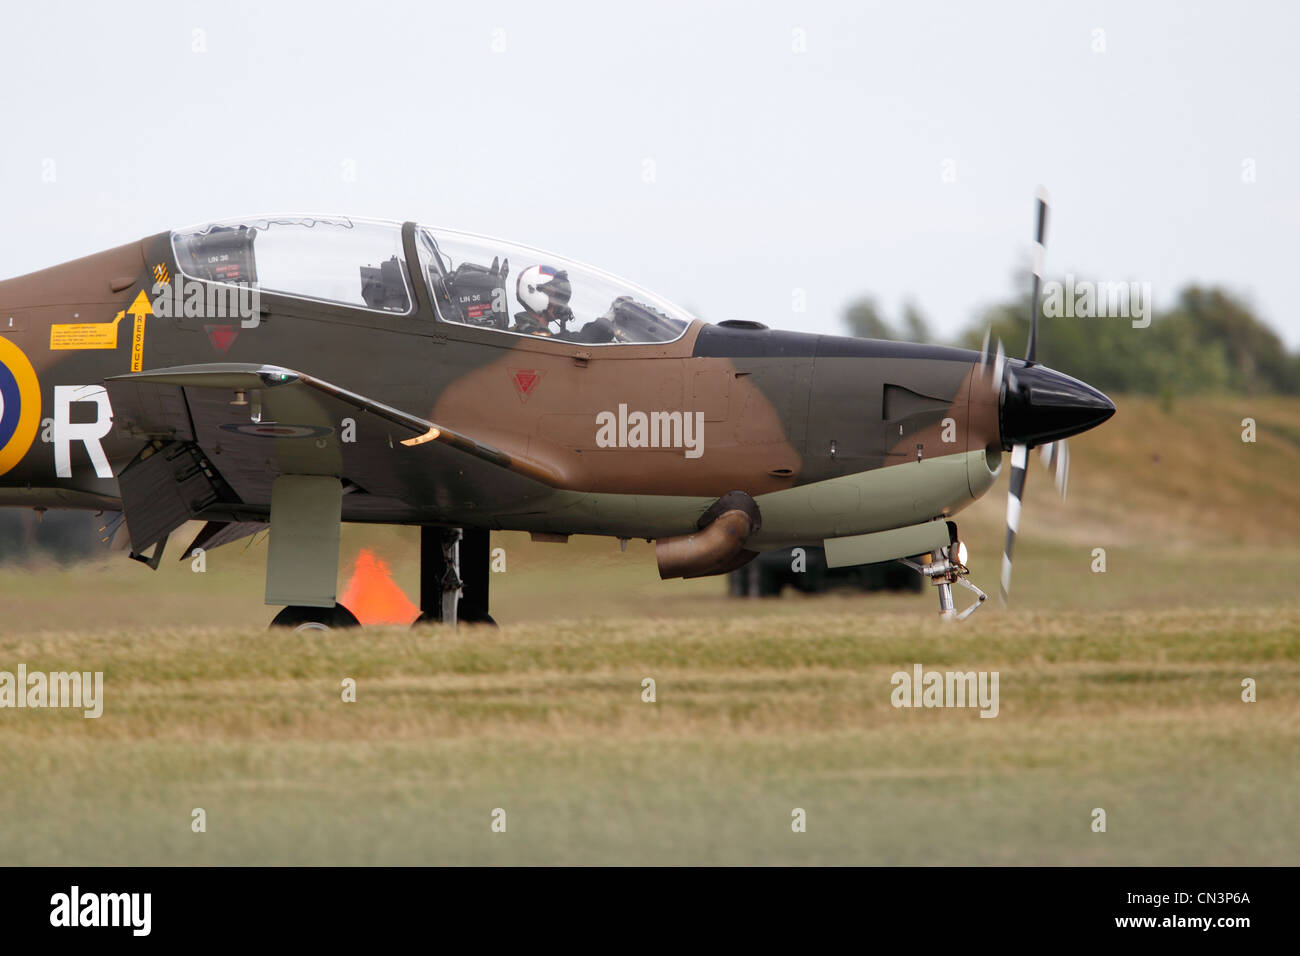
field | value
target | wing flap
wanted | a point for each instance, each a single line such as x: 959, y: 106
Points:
x: 165, y: 486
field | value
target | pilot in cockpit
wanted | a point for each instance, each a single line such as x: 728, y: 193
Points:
x: 544, y: 292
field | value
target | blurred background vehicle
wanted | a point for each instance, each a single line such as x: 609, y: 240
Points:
x: 773, y: 571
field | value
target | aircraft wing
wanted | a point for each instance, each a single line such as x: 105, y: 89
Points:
x: 219, y: 434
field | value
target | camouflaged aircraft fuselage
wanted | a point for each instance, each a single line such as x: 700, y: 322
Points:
x: 831, y: 436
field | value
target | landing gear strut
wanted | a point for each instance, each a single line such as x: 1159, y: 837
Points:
x: 944, y: 569
x: 454, y: 576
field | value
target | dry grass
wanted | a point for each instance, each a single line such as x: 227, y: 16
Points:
x: 1138, y: 712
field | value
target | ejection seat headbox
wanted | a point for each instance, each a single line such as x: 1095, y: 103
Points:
x: 221, y: 254
x: 478, y: 293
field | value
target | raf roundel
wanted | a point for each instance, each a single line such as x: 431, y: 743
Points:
x: 277, y: 430
x: 20, y: 405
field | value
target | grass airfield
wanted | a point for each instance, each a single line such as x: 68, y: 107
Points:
x: 1119, y: 690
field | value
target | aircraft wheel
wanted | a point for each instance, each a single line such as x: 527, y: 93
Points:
x: 303, y: 619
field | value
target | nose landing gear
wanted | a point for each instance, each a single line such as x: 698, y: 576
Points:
x: 944, y: 568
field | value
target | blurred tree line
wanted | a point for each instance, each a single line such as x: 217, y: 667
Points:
x: 1209, y: 341
x: 61, y: 536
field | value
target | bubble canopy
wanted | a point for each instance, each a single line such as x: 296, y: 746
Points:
x: 472, y: 280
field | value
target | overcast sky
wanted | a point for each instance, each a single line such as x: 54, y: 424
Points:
x: 721, y: 154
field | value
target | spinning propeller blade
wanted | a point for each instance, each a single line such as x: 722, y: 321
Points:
x: 1020, y: 452
x: 1040, y: 251
x: 1056, y: 459
x: 1019, y: 458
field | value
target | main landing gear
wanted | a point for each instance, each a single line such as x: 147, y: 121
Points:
x: 302, y: 570
x: 454, y: 575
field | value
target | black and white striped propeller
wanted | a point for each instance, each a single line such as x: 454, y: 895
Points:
x: 1056, y: 454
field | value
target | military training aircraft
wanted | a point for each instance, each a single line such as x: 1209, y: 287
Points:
x: 296, y: 372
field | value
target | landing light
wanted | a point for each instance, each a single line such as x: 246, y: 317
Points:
x: 961, y: 553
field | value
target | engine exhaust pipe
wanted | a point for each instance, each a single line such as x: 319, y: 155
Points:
x: 718, y: 547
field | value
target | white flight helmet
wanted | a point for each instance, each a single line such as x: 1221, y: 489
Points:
x: 541, y: 287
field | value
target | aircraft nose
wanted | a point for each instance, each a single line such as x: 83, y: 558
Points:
x: 1041, y: 405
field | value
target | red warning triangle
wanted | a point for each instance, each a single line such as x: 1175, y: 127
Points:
x: 221, y: 336
x: 525, y: 380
